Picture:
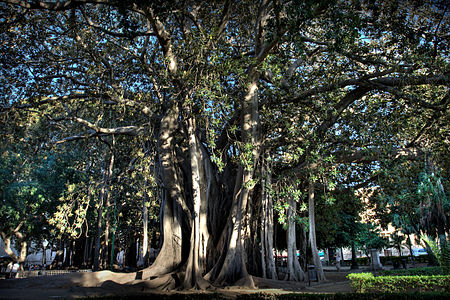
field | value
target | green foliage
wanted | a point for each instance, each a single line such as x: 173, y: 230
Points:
x: 367, y: 282
x: 397, y: 240
x: 430, y: 186
x: 426, y: 271
x: 440, y: 249
x: 29, y: 189
x: 338, y: 224
x: 342, y: 89
x: 370, y: 238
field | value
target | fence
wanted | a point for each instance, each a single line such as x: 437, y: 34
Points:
x: 36, y: 273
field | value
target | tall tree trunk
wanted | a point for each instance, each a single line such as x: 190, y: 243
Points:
x: 59, y: 256
x: 105, y: 251
x: 267, y: 258
x: 234, y: 268
x: 108, y: 204
x: 66, y: 247
x: 295, y: 272
x: 86, y: 251
x: 271, y: 269
x: 131, y: 252
x: 354, y: 260
x: 312, y: 233
x: 98, y: 236
x: 145, y: 203
x: 206, y: 192
x: 170, y: 255
x: 193, y: 275
x: 263, y: 228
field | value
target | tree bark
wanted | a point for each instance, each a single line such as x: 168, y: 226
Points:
x: 267, y: 258
x: 23, y: 246
x: 145, y: 203
x: 234, y: 267
x: 312, y: 233
x: 193, y: 275
x: 100, y: 251
x: 354, y: 260
x: 98, y: 236
x: 295, y: 272
x: 271, y: 269
x: 170, y: 255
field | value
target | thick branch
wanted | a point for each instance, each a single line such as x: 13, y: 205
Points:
x: 125, y: 130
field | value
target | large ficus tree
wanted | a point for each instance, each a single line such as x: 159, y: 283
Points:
x: 234, y: 95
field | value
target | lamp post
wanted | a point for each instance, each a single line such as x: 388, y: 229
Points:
x: 44, y: 257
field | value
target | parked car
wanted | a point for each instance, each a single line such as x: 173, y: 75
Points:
x: 419, y: 251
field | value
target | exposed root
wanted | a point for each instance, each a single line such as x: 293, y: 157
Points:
x: 247, y: 282
x: 163, y: 283
x: 201, y: 284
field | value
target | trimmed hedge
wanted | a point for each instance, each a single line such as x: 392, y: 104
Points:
x: 426, y: 271
x: 366, y: 282
x: 291, y: 296
x: 387, y: 260
x: 347, y: 296
x: 363, y: 261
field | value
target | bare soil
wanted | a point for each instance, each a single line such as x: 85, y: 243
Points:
x: 105, y: 283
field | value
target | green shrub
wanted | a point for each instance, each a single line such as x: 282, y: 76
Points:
x: 422, y: 258
x: 426, y: 271
x: 347, y: 296
x: 363, y: 261
x: 391, y: 259
x: 440, y: 249
x: 367, y: 282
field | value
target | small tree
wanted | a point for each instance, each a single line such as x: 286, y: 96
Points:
x: 397, y: 241
x: 370, y: 238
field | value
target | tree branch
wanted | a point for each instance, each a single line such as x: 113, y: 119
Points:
x: 113, y: 33
x: 124, y: 130
x: 55, y: 6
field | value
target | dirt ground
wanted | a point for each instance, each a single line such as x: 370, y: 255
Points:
x: 78, y: 285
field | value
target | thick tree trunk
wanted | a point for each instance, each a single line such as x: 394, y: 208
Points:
x: 78, y: 250
x: 59, y: 257
x: 193, y: 275
x: 271, y: 269
x: 170, y: 255
x: 266, y: 230
x: 206, y: 193
x: 66, y: 254
x: 23, y: 246
x: 131, y: 253
x: 295, y: 272
x: 234, y: 268
x: 312, y: 233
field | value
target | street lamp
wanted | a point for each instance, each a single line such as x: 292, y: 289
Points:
x: 44, y: 258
